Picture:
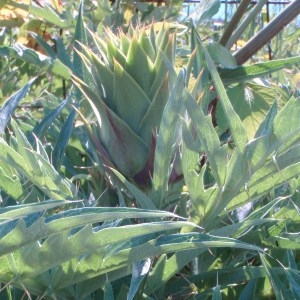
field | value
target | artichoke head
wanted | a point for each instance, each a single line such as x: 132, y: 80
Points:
x: 129, y: 82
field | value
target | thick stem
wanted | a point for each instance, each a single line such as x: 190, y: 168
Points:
x: 248, y: 19
x: 234, y: 21
x: 268, y: 32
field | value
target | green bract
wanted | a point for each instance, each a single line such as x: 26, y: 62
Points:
x: 130, y: 83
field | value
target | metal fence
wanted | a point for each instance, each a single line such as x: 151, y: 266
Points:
x: 283, y: 2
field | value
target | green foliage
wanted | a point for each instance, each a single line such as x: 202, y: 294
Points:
x: 250, y: 72
x: 76, y: 243
x: 139, y: 161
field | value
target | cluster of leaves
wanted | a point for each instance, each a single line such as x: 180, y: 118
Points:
x: 125, y: 174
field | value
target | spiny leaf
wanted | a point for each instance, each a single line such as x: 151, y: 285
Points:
x: 264, y: 143
x: 10, y: 105
x: 198, y: 66
x: 41, y: 127
x: 205, y: 10
x: 293, y: 278
x: 166, y: 139
x: 221, y: 56
x: 31, y: 56
x: 45, y: 227
x: 81, y: 37
x: 142, y: 248
x: 22, y: 210
x: 39, y: 171
x: 216, y: 155
x: 236, y: 127
x: 108, y: 291
x: 167, y: 268
x: 142, y: 199
x: 245, y: 73
x: 10, y: 185
x: 39, y: 258
x: 216, y: 295
x: 46, y: 13
x: 251, y: 102
x: 279, y: 288
x: 62, y: 140
x: 46, y: 47
x: 287, y: 124
x: 140, y: 270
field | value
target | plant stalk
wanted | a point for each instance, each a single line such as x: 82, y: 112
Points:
x: 234, y: 21
x: 268, y: 32
x: 248, y: 19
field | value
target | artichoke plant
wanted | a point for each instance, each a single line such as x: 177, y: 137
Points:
x: 129, y: 83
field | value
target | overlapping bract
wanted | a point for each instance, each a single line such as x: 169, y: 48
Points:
x: 128, y: 85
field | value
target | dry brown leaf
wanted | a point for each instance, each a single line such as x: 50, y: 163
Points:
x: 14, y: 9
